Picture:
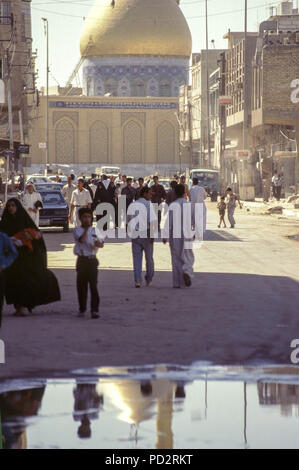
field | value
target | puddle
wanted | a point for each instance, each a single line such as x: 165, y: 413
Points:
x: 160, y: 407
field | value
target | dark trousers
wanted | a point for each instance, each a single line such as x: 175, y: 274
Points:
x: 87, y: 273
x: 278, y: 193
x: 1, y: 294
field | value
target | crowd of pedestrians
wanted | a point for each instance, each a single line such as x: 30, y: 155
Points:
x: 25, y: 279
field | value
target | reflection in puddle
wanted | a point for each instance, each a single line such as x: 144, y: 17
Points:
x: 155, y: 407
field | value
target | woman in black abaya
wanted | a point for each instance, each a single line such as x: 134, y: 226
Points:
x: 28, y: 282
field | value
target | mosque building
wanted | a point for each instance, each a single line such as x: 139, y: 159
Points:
x: 134, y: 57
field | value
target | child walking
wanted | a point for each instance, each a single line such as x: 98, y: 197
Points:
x: 86, y: 246
x: 222, y: 208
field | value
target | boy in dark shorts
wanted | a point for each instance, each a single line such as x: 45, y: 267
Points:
x: 222, y: 208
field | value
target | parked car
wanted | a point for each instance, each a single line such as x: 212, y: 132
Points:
x: 109, y: 171
x: 55, y: 210
x: 48, y: 187
x: 35, y: 179
x: 164, y: 181
x: 63, y: 179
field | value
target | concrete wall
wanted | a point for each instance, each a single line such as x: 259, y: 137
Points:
x: 21, y: 76
x: 280, y: 82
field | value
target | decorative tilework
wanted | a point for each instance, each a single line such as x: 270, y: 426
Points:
x: 126, y: 116
x: 113, y: 105
x: 73, y: 115
x: 65, y: 142
x: 120, y: 69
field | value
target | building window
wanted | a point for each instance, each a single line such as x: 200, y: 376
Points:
x: 98, y: 143
x: 26, y: 23
x: 165, y: 88
x: 132, y: 142
x: 138, y: 87
x: 65, y: 142
x: 5, y: 12
x: 111, y: 86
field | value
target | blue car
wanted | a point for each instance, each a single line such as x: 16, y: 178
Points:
x: 55, y: 210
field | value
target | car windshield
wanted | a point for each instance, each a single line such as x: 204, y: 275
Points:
x: 54, y: 199
x: 39, y: 179
x: 165, y: 183
x: 205, y: 176
x: 47, y: 186
x: 110, y: 170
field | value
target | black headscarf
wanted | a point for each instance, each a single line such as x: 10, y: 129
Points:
x: 12, y: 224
x: 28, y: 282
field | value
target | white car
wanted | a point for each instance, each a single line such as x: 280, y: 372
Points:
x: 35, y: 179
x: 110, y: 170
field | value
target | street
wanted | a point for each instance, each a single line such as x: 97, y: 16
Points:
x: 241, y: 308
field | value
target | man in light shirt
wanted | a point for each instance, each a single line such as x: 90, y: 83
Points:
x: 80, y: 198
x: 67, y: 191
x: 93, y: 187
x: 182, y: 256
x: 32, y: 202
x: 143, y: 242
x: 123, y: 183
x: 198, y: 195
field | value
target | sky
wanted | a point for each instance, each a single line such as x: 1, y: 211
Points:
x: 66, y: 19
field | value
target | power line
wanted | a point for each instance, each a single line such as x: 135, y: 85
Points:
x: 78, y: 2
x: 187, y: 17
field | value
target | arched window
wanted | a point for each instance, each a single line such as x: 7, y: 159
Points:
x: 124, y: 87
x: 132, y: 142
x: 175, y: 88
x: 100, y: 90
x: 166, y: 143
x: 152, y: 87
x: 138, y: 87
x: 65, y: 142
x: 111, y: 87
x: 165, y: 88
x: 90, y: 86
x: 98, y: 143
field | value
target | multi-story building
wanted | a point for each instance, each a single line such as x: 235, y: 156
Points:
x: 238, y: 168
x: 194, y: 111
x: 262, y: 112
x: 15, y: 60
x: 275, y: 103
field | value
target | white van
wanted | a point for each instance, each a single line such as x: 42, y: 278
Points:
x: 110, y: 170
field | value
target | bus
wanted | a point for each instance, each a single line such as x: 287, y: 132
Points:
x: 206, y: 178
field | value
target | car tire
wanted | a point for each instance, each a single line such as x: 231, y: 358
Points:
x: 66, y: 228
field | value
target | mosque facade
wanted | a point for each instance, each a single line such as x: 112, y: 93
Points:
x: 135, y: 56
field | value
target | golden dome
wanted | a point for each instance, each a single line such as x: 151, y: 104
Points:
x: 135, y: 27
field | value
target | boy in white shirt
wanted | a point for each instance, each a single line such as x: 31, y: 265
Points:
x: 86, y: 246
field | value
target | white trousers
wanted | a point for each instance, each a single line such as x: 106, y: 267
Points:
x: 182, y: 261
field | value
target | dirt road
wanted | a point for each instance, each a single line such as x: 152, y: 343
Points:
x: 243, y: 305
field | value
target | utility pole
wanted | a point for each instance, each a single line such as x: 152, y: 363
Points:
x: 10, y: 117
x: 179, y: 146
x: 46, y: 26
x: 245, y: 87
x: 222, y: 113
x: 190, y: 124
x: 22, y: 142
x: 208, y: 88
